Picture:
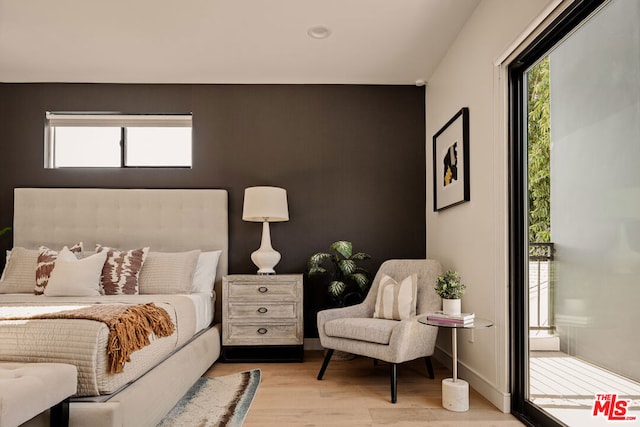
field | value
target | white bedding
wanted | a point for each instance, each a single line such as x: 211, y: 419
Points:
x: 83, y: 342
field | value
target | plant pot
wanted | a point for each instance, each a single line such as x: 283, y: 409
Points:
x: 451, y: 306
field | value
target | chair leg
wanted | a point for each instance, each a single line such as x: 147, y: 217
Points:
x: 325, y: 363
x: 427, y: 361
x: 394, y: 382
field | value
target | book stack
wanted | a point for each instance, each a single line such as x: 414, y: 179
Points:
x: 458, y: 319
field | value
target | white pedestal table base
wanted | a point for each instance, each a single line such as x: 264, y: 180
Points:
x: 455, y: 395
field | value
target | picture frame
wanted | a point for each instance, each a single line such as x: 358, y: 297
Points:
x: 451, y: 162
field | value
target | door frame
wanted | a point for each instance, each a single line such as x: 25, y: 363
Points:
x: 566, y: 22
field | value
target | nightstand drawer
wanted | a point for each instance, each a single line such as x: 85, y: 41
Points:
x: 262, y: 290
x: 263, y: 311
x: 262, y: 334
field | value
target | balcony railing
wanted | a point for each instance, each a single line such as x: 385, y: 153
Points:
x: 541, y: 283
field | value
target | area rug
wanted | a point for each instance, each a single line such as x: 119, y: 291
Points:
x: 215, y: 402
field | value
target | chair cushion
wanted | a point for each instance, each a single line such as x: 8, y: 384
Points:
x: 361, y: 329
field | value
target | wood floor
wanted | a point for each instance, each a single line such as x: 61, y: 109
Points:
x: 356, y: 393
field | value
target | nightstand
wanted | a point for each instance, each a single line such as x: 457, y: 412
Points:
x: 262, y: 318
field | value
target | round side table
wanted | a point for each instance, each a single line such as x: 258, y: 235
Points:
x: 455, y: 392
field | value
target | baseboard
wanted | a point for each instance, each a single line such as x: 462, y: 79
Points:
x: 499, y: 399
x: 312, y: 344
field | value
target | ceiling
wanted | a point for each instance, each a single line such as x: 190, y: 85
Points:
x: 226, y: 41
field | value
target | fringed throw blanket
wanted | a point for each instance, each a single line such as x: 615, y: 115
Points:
x: 129, y: 325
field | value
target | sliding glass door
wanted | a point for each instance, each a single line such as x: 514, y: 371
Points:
x: 575, y: 218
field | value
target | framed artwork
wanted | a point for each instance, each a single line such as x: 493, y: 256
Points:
x: 451, y: 162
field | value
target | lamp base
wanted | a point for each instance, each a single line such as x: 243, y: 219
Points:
x: 265, y: 257
x: 265, y: 260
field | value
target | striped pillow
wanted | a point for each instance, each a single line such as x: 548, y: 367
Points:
x: 396, y: 301
x: 46, y: 263
x: 121, y: 270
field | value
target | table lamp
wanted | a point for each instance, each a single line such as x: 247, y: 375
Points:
x: 265, y: 204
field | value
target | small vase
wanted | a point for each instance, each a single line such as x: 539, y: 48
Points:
x: 451, y: 306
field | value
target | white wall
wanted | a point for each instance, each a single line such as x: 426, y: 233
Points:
x: 472, y: 237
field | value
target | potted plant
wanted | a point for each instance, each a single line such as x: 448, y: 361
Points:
x: 348, y: 283
x: 450, y: 288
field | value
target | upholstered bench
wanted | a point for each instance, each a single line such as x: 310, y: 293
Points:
x: 27, y: 389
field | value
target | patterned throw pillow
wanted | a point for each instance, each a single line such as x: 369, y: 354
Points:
x: 396, y: 301
x: 121, y: 270
x: 46, y: 263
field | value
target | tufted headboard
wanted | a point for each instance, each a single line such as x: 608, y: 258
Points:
x: 165, y: 220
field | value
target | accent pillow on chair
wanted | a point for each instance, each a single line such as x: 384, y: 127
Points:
x: 396, y: 301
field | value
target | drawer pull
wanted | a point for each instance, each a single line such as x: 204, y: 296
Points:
x: 262, y: 310
x: 263, y: 289
x: 262, y: 331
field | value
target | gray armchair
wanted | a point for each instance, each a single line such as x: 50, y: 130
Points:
x: 354, y: 329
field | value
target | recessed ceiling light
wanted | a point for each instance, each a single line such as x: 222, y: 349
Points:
x: 319, y: 32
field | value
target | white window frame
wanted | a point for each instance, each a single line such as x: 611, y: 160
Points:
x: 122, y: 121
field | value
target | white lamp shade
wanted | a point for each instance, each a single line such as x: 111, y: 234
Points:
x: 265, y: 204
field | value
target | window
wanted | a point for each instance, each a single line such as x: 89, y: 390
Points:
x: 117, y: 140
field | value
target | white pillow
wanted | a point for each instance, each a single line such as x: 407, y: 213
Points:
x: 205, y: 273
x: 47, y: 262
x: 396, y: 301
x: 76, y: 277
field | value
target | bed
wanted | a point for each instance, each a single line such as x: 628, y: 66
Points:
x: 172, y: 224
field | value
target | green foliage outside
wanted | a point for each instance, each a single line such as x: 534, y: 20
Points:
x: 5, y: 230
x: 539, y: 152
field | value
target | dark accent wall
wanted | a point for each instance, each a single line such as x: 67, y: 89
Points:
x: 352, y: 159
